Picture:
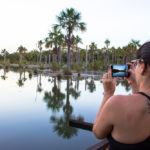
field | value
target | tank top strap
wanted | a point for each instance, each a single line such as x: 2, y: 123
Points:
x: 142, y: 93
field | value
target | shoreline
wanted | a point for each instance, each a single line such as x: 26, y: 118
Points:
x: 47, y: 71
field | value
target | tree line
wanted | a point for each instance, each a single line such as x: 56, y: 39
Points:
x: 60, y: 49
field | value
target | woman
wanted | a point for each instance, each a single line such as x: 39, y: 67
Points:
x: 125, y: 119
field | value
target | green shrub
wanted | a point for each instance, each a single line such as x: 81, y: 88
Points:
x: 66, y: 72
x: 55, y: 66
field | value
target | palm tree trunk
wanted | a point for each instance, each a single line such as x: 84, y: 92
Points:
x: 20, y: 59
x: 97, y: 56
x: 4, y: 58
x: 45, y: 60
x: 69, y: 58
x: 59, y: 56
x: 37, y: 59
x: 115, y: 56
x: 40, y: 57
x: 124, y: 59
x: 86, y: 59
x: 54, y: 61
x: 49, y: 60
x: 77, y: 56
x: 92, y: 56
x: 107, y: 58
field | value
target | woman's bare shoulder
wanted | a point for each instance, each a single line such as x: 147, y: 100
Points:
x: 119, y: 98
x: 119, y: 102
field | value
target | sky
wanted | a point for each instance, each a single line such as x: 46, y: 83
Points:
x: 24, y: 22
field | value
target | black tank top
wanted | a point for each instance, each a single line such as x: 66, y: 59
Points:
x: 115, y: 145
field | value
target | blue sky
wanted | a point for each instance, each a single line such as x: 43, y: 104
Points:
x: 24, y: 22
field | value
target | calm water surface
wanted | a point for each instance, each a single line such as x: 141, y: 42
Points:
x: 35, y: 110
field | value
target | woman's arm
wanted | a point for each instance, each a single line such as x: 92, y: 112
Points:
x: 102, y: 124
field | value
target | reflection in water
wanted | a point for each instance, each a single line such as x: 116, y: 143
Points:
x: 30, y: 74
x: 39, y: 86
x: 61, y: 126
x: 20, y: 81
x: 58, y: 101
x: 4, y: 74
x: 24, y: 75
x: 88, y: 84
x: 126, y: 85
x: 91, y: 86
x: 54, y: 98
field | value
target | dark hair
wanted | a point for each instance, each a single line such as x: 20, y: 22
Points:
x: 144, y: 53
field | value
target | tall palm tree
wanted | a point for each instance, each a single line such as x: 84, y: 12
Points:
x: 77, y: 41
x: 136, y: 43
x: 93, y: 47
x: 21, y: 50
x: 107, y: 42
x: 113, y: 55
x: 40, y: 43
x: 70, y: 21
x: 4, y: 53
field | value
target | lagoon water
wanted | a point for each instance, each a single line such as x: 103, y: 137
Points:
x: 35, y: 110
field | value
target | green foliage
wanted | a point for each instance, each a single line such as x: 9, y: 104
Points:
x: 97, y: 65
x: 55, y: 66
x: 66, y: 72
x: 77, y: 68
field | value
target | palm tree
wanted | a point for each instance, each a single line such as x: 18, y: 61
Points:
x: 40, y: 43
x: 136, y: 43
x: 70, y: 21
x: 4, y: 53
x: 113, y: 55
x: 77, y: 41
x: 131, y: 51
x: 21, y: 50
x: 93, y: 47
x: 55, y: 39
x: 107, y: 42
x: 62, y: 44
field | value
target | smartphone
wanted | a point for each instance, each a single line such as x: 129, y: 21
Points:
x: 120, y: 70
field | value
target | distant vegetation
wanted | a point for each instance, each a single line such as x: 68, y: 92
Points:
x: 60, y: 49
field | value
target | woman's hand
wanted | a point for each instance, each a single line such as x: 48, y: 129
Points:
x: 109, y: 84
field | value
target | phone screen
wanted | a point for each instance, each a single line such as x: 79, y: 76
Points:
x: 120, y: 70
